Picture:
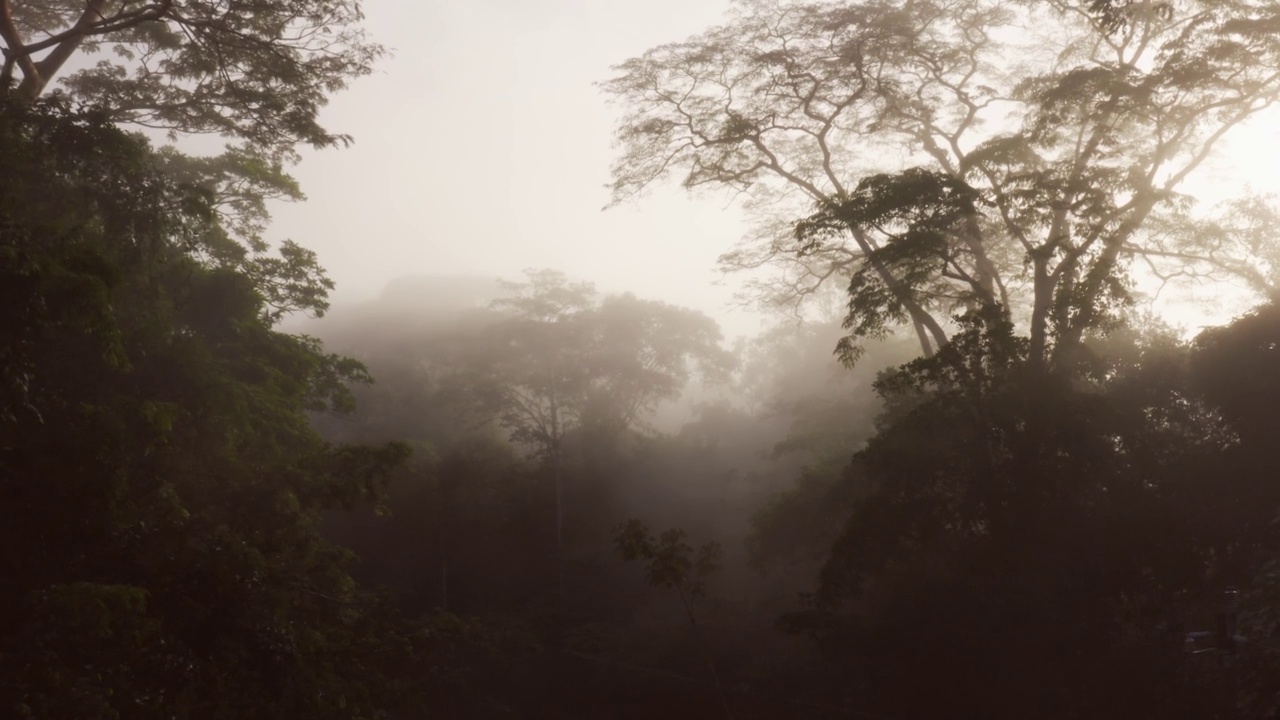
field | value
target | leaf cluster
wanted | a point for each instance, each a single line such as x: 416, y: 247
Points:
x: 256, y: 70
x: 159, y: 477
x: 670, y: 561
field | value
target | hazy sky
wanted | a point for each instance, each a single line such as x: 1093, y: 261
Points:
x: 482, y: 147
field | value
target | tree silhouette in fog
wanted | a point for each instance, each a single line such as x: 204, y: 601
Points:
x: 942, y: 157
x: 564, y: 360
x: 1058, y: 483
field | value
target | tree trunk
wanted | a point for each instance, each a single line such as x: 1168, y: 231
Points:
x: 444, y: 572
x: 556, y: 475
x: 920, y: 317
x: 34, y: 83
x: 1042, y: 302
x: 925, y: 345
x: 706, y: 654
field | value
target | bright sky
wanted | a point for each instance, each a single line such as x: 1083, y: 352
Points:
x: 482, y: 148
x: 1249, y: 158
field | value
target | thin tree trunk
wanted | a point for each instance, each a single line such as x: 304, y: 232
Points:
x: 444, y: 572
x: 557, y: 479
x: 920, y: 317
x: 706, y: 654
x: 923, y: 336
x: 560, y: 527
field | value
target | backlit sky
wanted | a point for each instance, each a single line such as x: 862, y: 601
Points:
x: 483, y: 146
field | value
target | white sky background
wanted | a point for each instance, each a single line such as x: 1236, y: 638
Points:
x: 1248, y: 157
x: 483, y: 146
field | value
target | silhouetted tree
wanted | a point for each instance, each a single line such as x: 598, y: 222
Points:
x: 563, y: 360
x: 253, y: 70
x: 940, y: 157
x: 670, y: 562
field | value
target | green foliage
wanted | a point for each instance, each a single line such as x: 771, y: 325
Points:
x: 923, y: 216
x: 92, y: 641
x: 1024, y: 170
x: 159, y: 477
x: 239, y: 182
x: 254, y: 70
x: 670, y: 561
x: 1000, y: 511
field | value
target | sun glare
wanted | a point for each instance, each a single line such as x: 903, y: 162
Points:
x: 1247, y: 161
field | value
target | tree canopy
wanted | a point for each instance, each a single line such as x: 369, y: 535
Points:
x: 564, y: 358
x: 939, y: 157
x: 255, y: 73
x: 255, y: 70
x: 160, y: 478
x: 1058, y: 484
x: 1040, y: 514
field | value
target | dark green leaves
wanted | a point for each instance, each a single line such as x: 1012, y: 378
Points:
x: 925, y: 223
x: 160, y: 483
x: 256, y: 70
x: 670, y: 561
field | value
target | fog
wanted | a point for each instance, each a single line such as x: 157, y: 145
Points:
x: 738, y: 359
x: 468, y: 526
x: 483, y: 151
x: 483, y: 148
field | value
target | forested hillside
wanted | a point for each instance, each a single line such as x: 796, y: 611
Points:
x: 965, y: 470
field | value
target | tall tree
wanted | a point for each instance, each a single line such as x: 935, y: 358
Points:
x: 1030, y: 534
x: 1015, y: 166
x: 563, y: 360
x: 538, y: 378
x: 943, y: 156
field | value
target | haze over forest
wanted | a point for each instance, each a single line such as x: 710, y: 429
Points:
x: 922, y: 361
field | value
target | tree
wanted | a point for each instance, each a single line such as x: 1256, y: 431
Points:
x: 604, y: 362
x: 563, y: 361
x: 943, y: 157
x: 1041, y: 535
x: 644, y: 352
x: 670, y: 563
x: 160, y: 483
x: 255, y: 70
x: 1234, y: 367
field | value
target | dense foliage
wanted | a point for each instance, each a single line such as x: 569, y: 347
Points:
x: 937, y: 157
x: 256, y: 70
x: 159, y: 476
x: 1026, y: 498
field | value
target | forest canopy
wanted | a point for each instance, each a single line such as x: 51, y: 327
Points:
x: 1011, y: 492
x: 160, y: 476
x: 937, y: 158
